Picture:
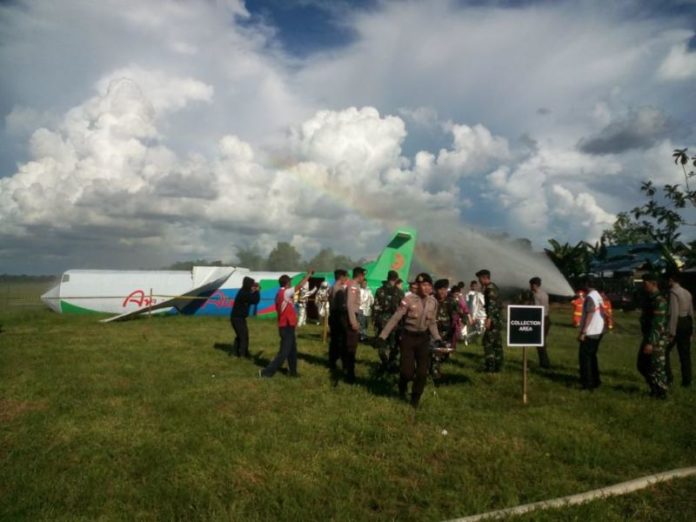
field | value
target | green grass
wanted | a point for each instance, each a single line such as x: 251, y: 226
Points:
x: 152, y: 420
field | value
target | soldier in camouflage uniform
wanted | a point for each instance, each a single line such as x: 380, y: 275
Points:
x: 653, y: 325
x: 447, y: 318
x: 492, y: 338
x: 387, y: 299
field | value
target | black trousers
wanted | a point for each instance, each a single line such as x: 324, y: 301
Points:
x: 589, y: 368
x: 682, y: 340
x: 541, y: 350
x: 337, y: 339
x: 415, y: 362
x: 287, y: 351
x: 348, y: 355
x: 241, y: 341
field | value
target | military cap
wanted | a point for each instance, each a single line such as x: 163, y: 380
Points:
x: 423, y: 277
x: 392, y: 275
x: 484, y: 272
x: 441, y: 283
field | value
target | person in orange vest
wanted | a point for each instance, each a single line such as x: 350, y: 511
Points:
x: 608, y: 311
x: 577, y: 307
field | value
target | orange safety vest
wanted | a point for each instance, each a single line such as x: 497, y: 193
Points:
x: 577, y: 309
x: 608, y: 312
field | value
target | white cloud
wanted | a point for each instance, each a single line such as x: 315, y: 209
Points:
x: 187, y: 131
x: 679, y: 64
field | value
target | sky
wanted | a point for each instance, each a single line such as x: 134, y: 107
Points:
x: 136, y: 134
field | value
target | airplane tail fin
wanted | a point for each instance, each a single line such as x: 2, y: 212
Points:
x: 397, y: 255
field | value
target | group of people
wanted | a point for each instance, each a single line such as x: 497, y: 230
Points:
x: 415, y: 331
x: 664, y: 324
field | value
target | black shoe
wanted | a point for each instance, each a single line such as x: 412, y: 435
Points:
x: 415, y: 401
x: 293, y: 374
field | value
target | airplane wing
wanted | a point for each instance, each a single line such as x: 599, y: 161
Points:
x: 186, y: 303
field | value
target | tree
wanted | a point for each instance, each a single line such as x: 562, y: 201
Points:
x: 661, y: 218
x: 250, y: 258
x: 625, y: 231
x: 572, y: 261
x: 284, y: 257
x: 188, y: 265
x: 324, y: 261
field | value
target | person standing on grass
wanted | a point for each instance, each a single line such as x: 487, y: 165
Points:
x: 681, y: 327
x: 419, y: 311
x: 287, y: 321
x: 541, y: 298
x: 591, y: 331
x: 353, y: 323
x: 247, y: 296
x: 653, y: 326
x: 366, y: 302
x: 492, y: 337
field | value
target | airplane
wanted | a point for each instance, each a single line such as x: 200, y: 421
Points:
x: 203, y: 291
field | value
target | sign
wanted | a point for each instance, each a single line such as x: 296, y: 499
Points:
x: 525, y: 325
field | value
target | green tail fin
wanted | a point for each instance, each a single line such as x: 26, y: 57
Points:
x: 397, y: 255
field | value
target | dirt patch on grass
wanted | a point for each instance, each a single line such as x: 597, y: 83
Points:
x: 10, y: 409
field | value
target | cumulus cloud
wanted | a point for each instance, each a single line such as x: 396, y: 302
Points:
x: 640, y: 129
x: 184, y: 128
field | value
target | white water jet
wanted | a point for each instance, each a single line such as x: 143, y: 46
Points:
x: 458, y: 252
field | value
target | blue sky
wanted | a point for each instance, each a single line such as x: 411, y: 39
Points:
x: 135, y: 134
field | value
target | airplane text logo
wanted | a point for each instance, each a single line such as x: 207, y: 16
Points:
x: 139, y: 298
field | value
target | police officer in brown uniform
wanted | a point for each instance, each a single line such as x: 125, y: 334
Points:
x: 419, y: 310
x: 353, y: 329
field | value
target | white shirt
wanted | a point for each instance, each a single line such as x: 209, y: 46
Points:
x: 594, y: 325
x: 366, y: 301
x: 475, y: 301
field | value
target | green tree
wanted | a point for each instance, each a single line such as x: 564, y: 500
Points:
x: 188, y: 265
x: 572, y: 261
x: 251, y: 258
x: 625, y: 231
x: 284, y: 257
x: 324, y: 261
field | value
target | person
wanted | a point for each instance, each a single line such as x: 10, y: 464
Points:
x: 412, y: 288
x: 492, y: 338
x: 387, y: 299
x: 541, y: 298
x: 287, y: 321
x: 302, y: 299
x: 681, y: 321
x: 337, y: 317
x: 247, y: 295
x: 477, y: 311
x: 322, y: 300
x: 447, y: 320
x: 366, y: 302
x: 419, y: 310
x: 653, y: 326
x: 577, y: 307
x: 591, y: 327
x: 353, y: 322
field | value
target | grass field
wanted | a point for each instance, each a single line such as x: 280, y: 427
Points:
x: 152, y: 420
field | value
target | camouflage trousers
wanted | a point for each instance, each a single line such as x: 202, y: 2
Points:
x: 436, y: 360
x: 390, y: 351
x: 493, y: 349
x: 653, y: 368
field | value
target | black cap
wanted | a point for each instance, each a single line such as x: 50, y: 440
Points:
x: 484, y: 272
x: 650, y: 277
x: 392, y: 275
x: 424, y: 278
x: 441, y: 283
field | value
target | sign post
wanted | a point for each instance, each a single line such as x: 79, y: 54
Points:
x: 525, y: 328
